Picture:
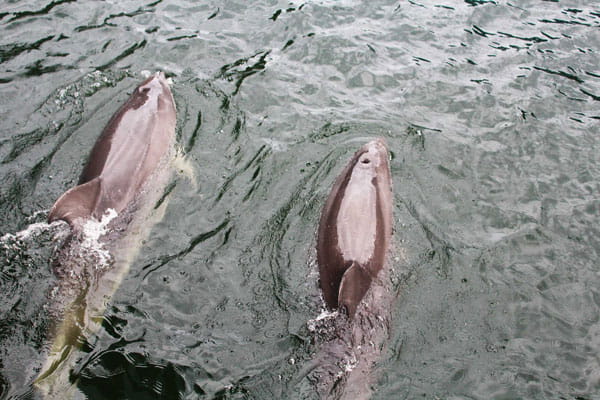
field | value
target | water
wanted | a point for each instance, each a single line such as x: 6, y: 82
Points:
x: 490, y: 110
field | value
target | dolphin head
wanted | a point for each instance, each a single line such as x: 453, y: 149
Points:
x: 371, y: 160
x: 154, y: 89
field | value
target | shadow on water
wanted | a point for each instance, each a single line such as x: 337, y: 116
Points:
x: 117, y: 375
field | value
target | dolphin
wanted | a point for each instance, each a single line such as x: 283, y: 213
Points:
x: 355, y: 228
x: 128, y: 151
x: 133, y: 151
x: 353, y: 239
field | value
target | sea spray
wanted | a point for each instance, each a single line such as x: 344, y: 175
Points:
x: 92, y: 232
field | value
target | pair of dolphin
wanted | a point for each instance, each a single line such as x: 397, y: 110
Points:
x: 356, y: 222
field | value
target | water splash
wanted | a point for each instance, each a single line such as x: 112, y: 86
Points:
x: 31, y: 232
x: 323, y: 319
x: 92, y: 232
x: 19, y: 247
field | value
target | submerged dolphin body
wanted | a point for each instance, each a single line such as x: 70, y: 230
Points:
x: 127, y: 152
x: 355, y: 228
x: 353, y: 239
x: 124, y: 176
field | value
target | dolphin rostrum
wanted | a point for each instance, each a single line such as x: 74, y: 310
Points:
x: 355, y: 228
x: 127, y: 152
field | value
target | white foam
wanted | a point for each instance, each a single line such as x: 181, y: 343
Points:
x: 312, y: 324
x: 93, y: 230
x: 351, y: 363
x: 326, y: 314
x: 36, y: 215
x: 32, y: 230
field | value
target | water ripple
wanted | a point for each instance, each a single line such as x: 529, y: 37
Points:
x: 43, y: 11
x: 490, y: 110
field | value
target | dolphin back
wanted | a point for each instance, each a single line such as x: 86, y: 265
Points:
x: 126, y: 154
x: 355, y: 228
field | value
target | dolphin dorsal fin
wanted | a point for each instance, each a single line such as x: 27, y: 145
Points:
x: 78, y: 202
x: 353, y: 287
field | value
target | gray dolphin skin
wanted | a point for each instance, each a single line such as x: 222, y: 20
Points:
x: 355, y: 228
x: 127, y: 152
x: 354, y: 236
x: 125, y: 172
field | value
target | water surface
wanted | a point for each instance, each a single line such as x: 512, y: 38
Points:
x: 490, y: 110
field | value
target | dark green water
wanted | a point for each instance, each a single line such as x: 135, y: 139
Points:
x: 490, y: 109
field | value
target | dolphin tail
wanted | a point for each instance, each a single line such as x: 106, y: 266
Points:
x: 78, y: 202
x: 353, y: 287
